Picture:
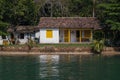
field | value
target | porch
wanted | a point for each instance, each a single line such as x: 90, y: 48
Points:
x: 75, y: 35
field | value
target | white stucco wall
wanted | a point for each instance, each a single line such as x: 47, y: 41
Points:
x: 23, y: 41
x: 26, y: 36
x: 37, y: 34
x: 61, y: 35
x: 73, y: 36
x: 55, y: 38
x: 1, y: 40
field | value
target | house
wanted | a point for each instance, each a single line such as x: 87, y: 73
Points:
x: 23, y: 33
x: 67, y: 29
x: 57, y: 30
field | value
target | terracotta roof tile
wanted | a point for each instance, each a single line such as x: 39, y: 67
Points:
x: 69, y: 22
x: 23, y: 29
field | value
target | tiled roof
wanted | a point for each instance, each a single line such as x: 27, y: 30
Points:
x: 23, y: 29
x: 69, y: 22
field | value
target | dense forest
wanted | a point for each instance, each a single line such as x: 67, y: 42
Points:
x: 28, y: 12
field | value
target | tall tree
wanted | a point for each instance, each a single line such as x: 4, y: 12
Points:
x: 20, y: 12
x: 53, y: 8
x: 17, y: 12
x: 59, y: 8
x: 3, y: 25
x: 109, y: 14
x: 82, y: 8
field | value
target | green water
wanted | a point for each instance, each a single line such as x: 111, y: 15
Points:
x: 63, y: 67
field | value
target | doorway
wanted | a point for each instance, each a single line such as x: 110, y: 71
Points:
x: 77, y: 35
x: 67, y: 35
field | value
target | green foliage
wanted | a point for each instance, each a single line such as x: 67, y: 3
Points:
x: 17, y: 12
x: 81, y: 8
x: 98, y: 35
x: 28, y: 12
x: 30, y: 43
x: 110, y: 14
x: 54, y: 8
x: 63, y: 8
x: 3, y: 25
x: 98, y: 45
x: 20, y: 12
x: 3, y: 28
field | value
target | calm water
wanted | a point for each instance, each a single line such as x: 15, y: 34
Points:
x: 63, y: 67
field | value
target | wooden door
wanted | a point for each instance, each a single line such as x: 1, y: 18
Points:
x: 66, y: 35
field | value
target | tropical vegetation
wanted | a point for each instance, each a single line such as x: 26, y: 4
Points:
x: 98, y: 45
x: 109, y: 15
x: 28, y: 12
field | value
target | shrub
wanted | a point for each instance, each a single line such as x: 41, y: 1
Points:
x: 98, y: 46
x: 30, y: 43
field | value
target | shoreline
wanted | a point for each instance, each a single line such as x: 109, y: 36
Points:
x: 6, y: 53
x: 49, y: 50
x: 42, y: 53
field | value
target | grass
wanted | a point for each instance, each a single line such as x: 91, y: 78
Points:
x: 56, y: 45
x: 65, y: 45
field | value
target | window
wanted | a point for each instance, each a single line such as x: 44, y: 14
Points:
x: 49, y: 34
x: 3, y: 37
x: 21, y: 36
x: 86, y: 35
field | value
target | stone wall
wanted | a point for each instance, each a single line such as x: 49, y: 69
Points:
x: 55, y: 49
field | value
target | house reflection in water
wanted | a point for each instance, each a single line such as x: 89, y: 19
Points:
x: 59, y: 67
x: 62, y: 67
x: 49, y: 67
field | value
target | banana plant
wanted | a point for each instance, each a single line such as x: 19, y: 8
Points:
x: 98, y: 45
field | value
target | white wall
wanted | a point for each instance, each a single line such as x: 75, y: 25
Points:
x: 61, y: 35
x: 1, y: 40
x: 37, y: 34
x: 73, y: 36
x: 23, y: 41
x: 43, y: 38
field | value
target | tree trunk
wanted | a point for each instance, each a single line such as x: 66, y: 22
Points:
x: 93, y: 8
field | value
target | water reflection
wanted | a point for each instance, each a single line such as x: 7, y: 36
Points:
x: 49, y: 67
x: 60, y: 67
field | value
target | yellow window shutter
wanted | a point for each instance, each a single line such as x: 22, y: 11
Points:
x: 49, y: 34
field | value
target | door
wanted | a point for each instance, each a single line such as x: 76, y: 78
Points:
x: 66, y: 35
x: 78, y: 35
